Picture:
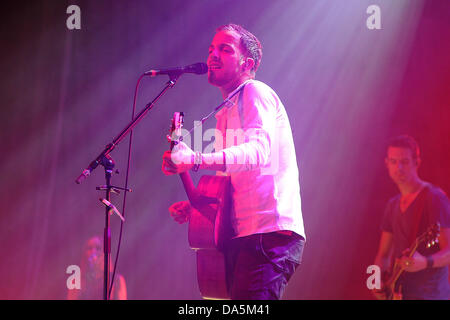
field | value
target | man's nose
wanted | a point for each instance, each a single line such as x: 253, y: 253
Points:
x: 213, y: 54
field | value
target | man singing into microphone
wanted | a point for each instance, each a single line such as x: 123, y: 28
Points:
x: 266, y: 214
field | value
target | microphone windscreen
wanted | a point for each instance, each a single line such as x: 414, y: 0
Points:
x: 200, y: 68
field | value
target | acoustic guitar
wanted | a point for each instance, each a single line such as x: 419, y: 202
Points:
x: 209, y: 223
x: 430, y: 237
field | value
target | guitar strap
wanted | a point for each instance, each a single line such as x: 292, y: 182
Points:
x: 241, y: 106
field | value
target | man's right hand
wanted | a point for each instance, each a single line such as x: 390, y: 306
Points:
x: 181, y: 211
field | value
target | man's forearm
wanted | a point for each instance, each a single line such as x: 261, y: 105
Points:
x: 441, y: 258
x: 213, y: 161
x: 384, y: 262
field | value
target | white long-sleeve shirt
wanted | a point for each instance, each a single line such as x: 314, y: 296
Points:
x: 254, y: 133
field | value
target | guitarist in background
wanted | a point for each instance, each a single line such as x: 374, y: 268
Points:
x: 409, y: 214
x: 266, y: 215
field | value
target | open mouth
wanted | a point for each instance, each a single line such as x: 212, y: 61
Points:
x: 214, y: 67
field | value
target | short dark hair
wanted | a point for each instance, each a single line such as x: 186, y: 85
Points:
x: 407, y: 142
x: 250, y: 45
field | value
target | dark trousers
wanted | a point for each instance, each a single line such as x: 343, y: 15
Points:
x: 260, y: 265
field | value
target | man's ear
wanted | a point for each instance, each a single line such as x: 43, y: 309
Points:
x: 418, y: 162
x: 248, y: 64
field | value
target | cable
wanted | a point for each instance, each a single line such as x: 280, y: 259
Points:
x: 126, y: 187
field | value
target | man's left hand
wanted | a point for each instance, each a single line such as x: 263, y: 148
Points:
x: 179, y: 160
x: 416, y: 263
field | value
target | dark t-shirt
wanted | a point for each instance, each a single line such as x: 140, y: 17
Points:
x: 432, y: 206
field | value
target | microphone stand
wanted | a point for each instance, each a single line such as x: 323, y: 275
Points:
x: 107, y: 162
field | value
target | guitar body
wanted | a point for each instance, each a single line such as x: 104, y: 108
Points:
x: 209, y: 224
x: 209, y: 230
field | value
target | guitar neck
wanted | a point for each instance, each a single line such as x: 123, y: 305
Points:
x: 398, y: 270
x: 189, y: 187
x: 174, y: 137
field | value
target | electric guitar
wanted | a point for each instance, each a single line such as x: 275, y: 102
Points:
x: 430, y: 237
x: 209, y: 223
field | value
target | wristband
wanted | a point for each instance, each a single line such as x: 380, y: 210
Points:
x: 197, y: 161
x: 430, y: 262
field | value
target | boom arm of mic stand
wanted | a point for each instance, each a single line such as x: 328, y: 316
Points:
x: 110, y: 147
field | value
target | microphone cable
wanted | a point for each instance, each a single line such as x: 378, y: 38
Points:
x: 126, y: 188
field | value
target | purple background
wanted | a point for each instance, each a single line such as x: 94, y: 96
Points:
x: 67, y: 93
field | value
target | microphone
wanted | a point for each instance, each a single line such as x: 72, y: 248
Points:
x: 197, y: 68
